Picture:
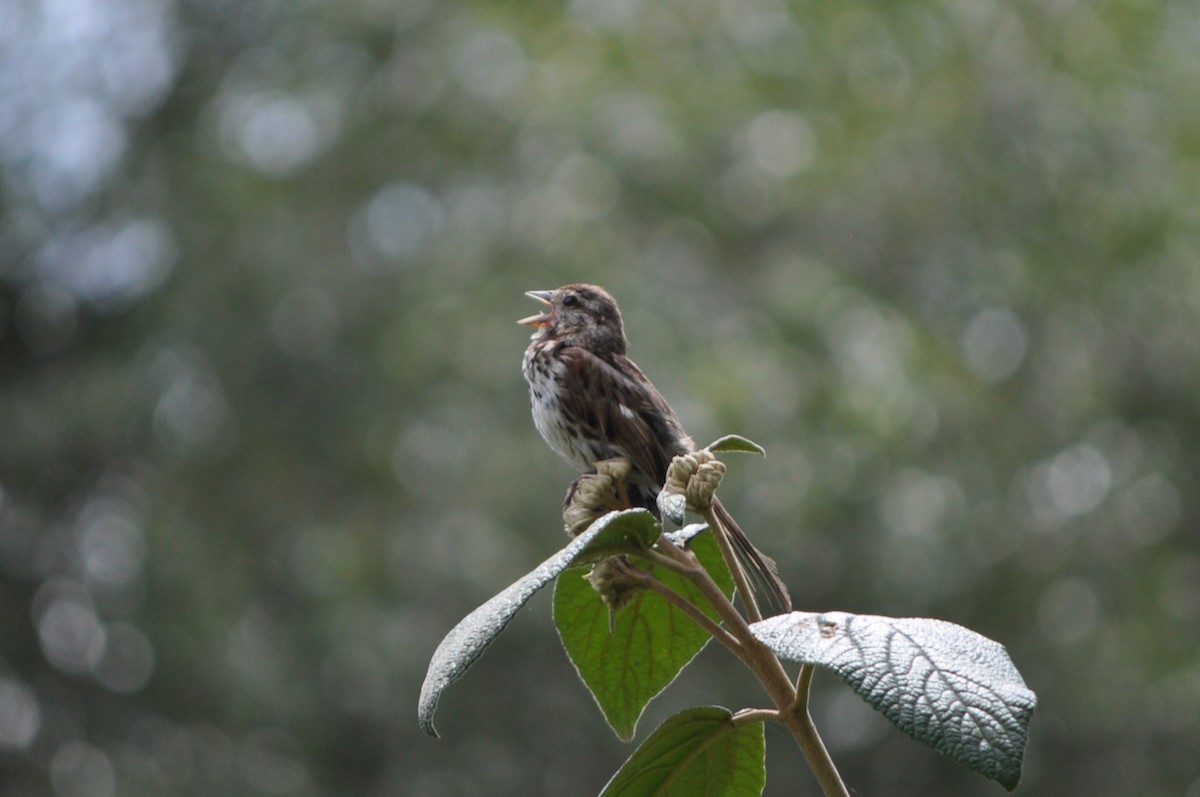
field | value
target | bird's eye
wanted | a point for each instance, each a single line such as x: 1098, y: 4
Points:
x: 570, y: 300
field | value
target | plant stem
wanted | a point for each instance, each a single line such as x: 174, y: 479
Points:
x: 793, y: 712
x: 647, y: 580
x: 721, y: 534
x: 800, y: 723
x: 677, y: 561
x: 791, y: 701
x: 694, y: 572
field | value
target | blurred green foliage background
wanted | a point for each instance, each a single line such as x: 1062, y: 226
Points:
x: 264, y: 437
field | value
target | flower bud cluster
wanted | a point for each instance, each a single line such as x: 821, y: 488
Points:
x: 696, y: 477
x: 594, y: 495
x: 611, y: 582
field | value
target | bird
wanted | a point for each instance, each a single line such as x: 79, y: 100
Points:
x: 591, y: 402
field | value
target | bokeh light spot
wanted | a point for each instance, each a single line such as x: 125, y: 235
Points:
x: 1077, y: 480
x: 994, y: 344
x: 20, y: 715
x: 490, y: 65
x: 111, y: 265
x: 915, y: 503
x: 276, y: 132
x: 780, y: 143
x: 191, y: 410
x: 72, y: 636
x: 401, y: 219
x: 112, y: 548
x: 79, y: 769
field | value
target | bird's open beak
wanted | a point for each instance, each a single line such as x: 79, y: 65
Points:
x: 541, y: 319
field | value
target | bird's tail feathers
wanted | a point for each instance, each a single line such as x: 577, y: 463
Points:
x: 759, y: 568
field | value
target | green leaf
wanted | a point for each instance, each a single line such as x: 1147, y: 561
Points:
x: 947, y: 686
x: 697, y: 753
x: 466, y: 642
x: 636, y: 528
x: 737, y: 444
x: 650, y: 641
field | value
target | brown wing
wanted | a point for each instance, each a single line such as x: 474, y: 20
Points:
x: 596, y: 389
x: 617, y: 403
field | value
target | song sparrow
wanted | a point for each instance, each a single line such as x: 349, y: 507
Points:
x: 591, y: 403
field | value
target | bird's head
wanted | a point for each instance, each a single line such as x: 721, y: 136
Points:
x: 579, y: 315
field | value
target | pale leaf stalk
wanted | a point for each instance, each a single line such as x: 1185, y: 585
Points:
x: 752, y: 715
x: 803, y: 684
